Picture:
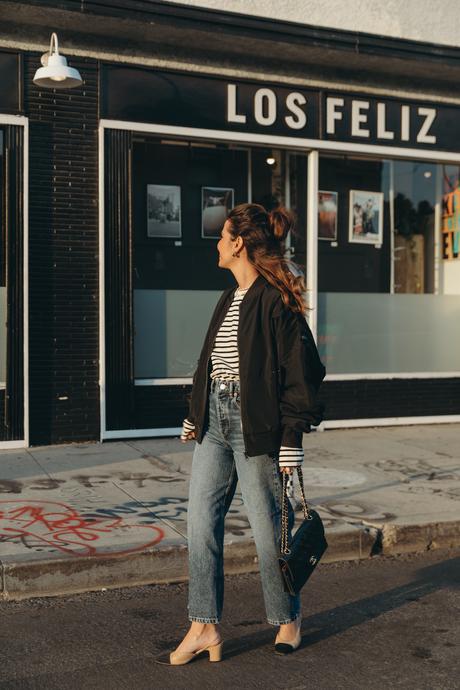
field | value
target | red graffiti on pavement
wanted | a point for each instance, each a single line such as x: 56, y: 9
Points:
x: 49, y: 525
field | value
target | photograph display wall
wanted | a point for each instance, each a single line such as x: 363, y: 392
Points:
x: 182, y: 194
x: 354, y: 254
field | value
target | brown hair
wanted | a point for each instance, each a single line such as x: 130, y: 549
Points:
x: 264, y: 234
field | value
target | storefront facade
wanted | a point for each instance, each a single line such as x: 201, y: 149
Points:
x: 128, y: 179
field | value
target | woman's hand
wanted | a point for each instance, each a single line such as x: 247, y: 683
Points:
x: 289, y: 482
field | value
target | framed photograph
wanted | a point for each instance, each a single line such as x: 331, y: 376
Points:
x: 366, y: 217
x: 327, y: 215
x: 216, y: 203
x: 163, y: 211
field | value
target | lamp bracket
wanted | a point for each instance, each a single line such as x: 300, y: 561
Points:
x: 44, y: 58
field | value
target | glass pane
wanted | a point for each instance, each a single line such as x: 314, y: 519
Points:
x: 297, y: 201
x: 3, y: 314
x: 169, y: 344
x: 181, y: 195
x: 375, y: 333
x: 387, y: 300
x: 414, y: 238
x: 449, y: 269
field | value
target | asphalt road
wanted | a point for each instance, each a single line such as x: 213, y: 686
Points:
x: 380, y: 623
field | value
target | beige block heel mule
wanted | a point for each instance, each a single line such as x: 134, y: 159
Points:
x: 215, y: 654
x: 180, y: 658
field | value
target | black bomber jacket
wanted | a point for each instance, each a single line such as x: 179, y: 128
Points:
x: 280, y: 371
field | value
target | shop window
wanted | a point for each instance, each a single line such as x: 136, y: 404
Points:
x: 181, y: 194
x: 386, y: 286
x: 3, y: 296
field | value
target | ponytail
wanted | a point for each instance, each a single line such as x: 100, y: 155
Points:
x: 264, y: 235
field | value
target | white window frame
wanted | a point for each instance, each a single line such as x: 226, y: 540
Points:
x: 312, y: 148
x: 21, y: 121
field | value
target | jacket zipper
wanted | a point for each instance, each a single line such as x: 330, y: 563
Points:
x: 207, y: 389
x: 239, y: 375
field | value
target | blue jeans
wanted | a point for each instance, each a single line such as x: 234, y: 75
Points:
x: 219, y: 461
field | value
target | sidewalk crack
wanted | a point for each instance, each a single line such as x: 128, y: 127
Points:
x: 148, y: 509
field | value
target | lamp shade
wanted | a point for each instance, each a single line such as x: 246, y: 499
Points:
x: 56, y: 73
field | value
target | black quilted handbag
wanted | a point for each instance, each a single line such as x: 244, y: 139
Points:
x: 299, y: 559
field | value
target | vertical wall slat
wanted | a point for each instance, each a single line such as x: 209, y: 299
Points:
x: 13, y: 411
x: 118, y: 282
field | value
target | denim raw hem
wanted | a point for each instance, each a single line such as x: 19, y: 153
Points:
x: 202, y: 619
x: 285, y: 622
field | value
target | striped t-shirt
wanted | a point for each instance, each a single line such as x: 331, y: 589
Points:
x: 224, y: 357
x: 225, y: 365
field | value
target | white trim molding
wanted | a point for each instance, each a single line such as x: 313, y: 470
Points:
x: 142, y: 433
x: 173, y: 381
x: 102, y: 357
x: 25, y: 124
x: 395, y: 375
x: 330, y: 424
x: 278, y: 140
x: 19, y: 120
x: 187, y: 381
x: 22, y: 121
x: 11, y: 445
x: 388, y: 421
x: 311, y: 249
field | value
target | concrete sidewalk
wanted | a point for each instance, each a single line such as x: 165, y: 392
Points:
x: 86, y: 516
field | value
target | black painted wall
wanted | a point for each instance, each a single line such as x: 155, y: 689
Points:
x: 158, y: 262
x: 63, y: 264
x: 371, y: 398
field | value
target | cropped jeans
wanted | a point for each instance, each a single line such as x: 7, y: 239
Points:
x: 219, y: 462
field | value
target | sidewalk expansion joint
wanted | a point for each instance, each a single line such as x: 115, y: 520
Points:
x: 165, y: 521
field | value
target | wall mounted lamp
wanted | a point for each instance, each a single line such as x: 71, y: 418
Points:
x: 55, y: 73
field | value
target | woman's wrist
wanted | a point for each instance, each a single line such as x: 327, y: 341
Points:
x: 188, y: 428
x: 290, y: 457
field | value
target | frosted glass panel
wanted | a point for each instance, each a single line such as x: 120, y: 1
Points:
x: 2, y: 335
x: 379, y: 333
x: 170, y: 326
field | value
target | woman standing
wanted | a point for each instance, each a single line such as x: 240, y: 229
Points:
x: 254, y: 394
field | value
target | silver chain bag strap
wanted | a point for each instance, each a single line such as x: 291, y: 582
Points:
x: 298, y: 559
